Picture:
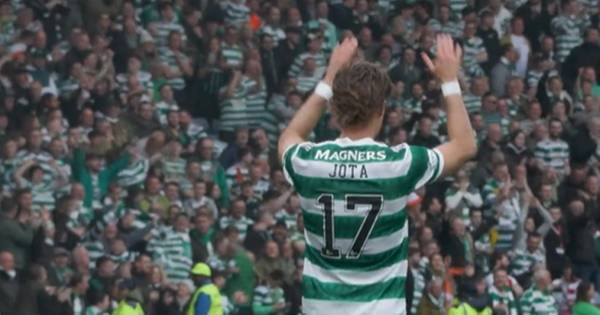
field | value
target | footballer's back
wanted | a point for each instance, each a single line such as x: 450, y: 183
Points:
x: 353, y: 195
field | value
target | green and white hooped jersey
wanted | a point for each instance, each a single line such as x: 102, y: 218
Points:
x: 353, y: 196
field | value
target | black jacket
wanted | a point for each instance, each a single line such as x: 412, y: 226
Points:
x: 535, y: 24
x: 584, y: 55
x: 9, y: 288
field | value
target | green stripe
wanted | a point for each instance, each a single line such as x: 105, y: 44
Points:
x: 347, y: 227
x: 287, y: 163
x: 390, y: 289
x: 364, y: 262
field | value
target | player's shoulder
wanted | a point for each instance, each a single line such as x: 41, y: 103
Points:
x: 344, y: 149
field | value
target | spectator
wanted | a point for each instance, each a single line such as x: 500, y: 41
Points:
x: 538, y: 299
x: 585, y: 292
x: 17, y: 233
x: 491, y: 39
x: 503, y: 70
x: 568, y: 28
x: 9, y: 282
x: 501, y: 294
x: 433, y: 302
x: 566, y: 289
x: 553, y: 152
x: 536, y: 19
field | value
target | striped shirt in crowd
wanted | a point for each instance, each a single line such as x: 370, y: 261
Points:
x: 456, y: 6
x: 307, y: 82
x: 233, y: 54
x: 270, y: 121
x: 246, y: 108
x: 412, y: 105
x: 505, y: 297
x: 242, y: 224
x: 172, y: 250
x: 288, y: 218
x: 134, y: 174
x: 169, y: 57
x: 174, y: 169
x: 235, y: 13
x: 298, y: 63
x: 455, y: 29
x: 220, y: 264
x: 274, y: 32
x: 144, y: 78
x: 123, y: 257
x: 565, y: 292
x: 7, y: 169
x: 473, y: 47
x: 569, y: 33
x: 362, y: 186
x: 42, y: 194
x: 267, y: 296
x: 524, y: 261
x: 418, y: 288
x: 233, y: 109
x: 330, y: 34
x: 553, y: 153
x: 533, y: 78
x: 161, y: 109
x: 508, y: 223
x: 93, y: 310
x: 163, y: 29
x: 472, y: 103
x: 589, y: 6
x: 537, y: 302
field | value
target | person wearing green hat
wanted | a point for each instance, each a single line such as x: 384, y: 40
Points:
x: 207, y: 298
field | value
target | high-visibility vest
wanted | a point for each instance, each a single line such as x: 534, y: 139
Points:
x: 124, y: 308
x: 466, y: 309
x: 216, y: 308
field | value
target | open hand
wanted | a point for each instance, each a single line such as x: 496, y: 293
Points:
x: 341, y: 57
x: 448, y: 59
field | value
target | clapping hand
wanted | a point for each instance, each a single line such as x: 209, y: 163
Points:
x: 447, y: 62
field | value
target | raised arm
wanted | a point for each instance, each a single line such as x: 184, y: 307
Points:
x: 308, y: 115
x: 461, y: 146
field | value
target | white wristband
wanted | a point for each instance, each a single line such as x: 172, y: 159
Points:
x: 451, y: 88
x: 324, y: 90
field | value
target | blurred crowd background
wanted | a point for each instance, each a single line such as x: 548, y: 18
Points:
x: 138, y: 137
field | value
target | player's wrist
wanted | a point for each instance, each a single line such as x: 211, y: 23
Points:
x: 324, y: 90
x: 451, y: 87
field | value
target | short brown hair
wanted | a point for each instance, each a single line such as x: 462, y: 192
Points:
x: 359, y: 93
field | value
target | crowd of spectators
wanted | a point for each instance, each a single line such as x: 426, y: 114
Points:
x: 139, y: 137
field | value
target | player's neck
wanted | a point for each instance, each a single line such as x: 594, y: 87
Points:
x: 356, y: 134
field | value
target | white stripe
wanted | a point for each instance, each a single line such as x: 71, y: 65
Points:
x: 375, y: 170
x: 385, y: 306
x: 355, y: 277
x: 371, y: 247
x: 339, y: 207
x: 435, y: 161
x: 286, y: 152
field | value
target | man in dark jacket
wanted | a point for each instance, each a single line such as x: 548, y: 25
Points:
x: 584, y: 55
x: 9, y: 283
x: 536, y: 19
x: 491, y: 40
x: 16, y: 235
x: 580, y: 244
x: 457, y: 243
